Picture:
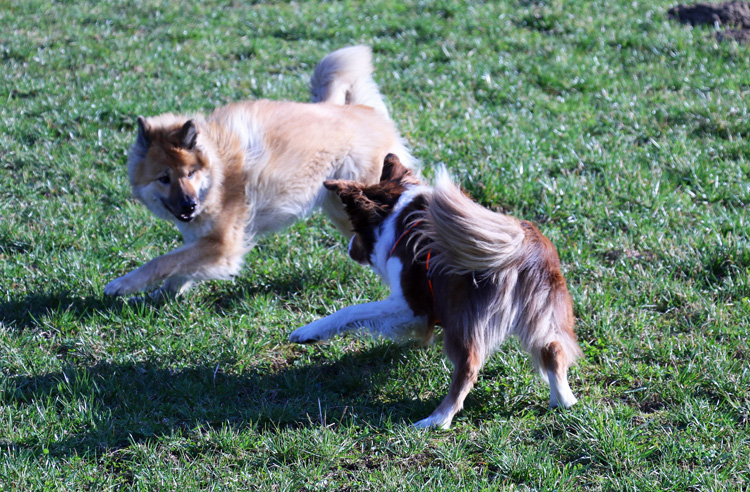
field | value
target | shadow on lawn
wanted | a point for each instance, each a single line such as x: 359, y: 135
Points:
x: 109, y: 406
x: 25, y: 312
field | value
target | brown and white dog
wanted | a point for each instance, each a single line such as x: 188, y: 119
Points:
x: 254, y: 167
x: 481, y: 275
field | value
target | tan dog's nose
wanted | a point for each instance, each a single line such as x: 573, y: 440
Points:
x: 187, y: 204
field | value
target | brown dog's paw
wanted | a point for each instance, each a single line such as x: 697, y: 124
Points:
x: 305, y: 335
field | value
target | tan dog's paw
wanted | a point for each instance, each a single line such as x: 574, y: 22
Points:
x: 127, y: 284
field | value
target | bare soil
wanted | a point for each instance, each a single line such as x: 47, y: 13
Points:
x: 733, y: 17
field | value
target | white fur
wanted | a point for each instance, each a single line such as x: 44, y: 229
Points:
x: 385, y: 235
x: 437, y: 420
x: 331, y: 83
x: 391, y: 318
x: 349, y: 247
x: 560, y: 392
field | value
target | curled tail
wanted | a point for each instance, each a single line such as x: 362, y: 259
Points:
x: 470, y: 238
x: 345, y: 77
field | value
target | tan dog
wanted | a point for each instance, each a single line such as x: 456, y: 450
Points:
x: 251, y: 168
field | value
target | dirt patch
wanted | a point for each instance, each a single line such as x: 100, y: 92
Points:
x: 739, y: 35
x: 613, y: 255
x: 734, y: 16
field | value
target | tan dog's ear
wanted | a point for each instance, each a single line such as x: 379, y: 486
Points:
x: 186, y: 137
x: 143, y: 139
x: 393, y: 169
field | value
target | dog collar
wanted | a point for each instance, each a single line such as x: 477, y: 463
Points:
x: 407, y: 231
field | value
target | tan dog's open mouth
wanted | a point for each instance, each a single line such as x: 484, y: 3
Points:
x: 185, y: 215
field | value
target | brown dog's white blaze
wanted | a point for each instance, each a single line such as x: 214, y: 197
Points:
x: 358, y: 251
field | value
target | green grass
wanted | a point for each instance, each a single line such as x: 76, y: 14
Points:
x: 622, y: 134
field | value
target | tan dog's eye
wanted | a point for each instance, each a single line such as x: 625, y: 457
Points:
x: 190, y: 174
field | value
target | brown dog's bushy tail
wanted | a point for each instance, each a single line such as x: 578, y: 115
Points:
x: 468, y: 237
x: 525, y: 285
x: 345, y: 77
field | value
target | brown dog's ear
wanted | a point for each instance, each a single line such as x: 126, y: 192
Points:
x: 187, y: 136
x: 393, y: 169
x: 334, y: 185
x: 346, y: 190
x: 352, y: 196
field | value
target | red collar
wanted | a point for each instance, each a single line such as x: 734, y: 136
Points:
x: 407, y: 231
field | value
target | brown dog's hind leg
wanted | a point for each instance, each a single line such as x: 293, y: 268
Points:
x: 555, y: 363
x: 467, y: 361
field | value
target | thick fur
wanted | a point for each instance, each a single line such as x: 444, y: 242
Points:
x: 481, y: 275
x: 253, y: 167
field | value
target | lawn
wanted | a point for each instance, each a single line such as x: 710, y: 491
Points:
x: 622, y: 134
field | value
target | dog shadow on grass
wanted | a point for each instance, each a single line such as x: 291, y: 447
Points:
x: 110, y: 406
x: 25, y: 312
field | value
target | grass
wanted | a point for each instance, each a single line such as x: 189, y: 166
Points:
x: 622, y: 134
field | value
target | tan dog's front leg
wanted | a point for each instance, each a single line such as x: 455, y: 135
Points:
x: 205, y: 259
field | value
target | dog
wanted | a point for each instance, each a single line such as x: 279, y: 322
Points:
x: 479, y: 274
x: 254, y: 167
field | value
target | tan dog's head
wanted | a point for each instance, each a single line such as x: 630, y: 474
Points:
x: 168, y: 169
x: 369, y: 206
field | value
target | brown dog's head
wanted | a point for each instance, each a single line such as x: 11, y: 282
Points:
x: 368, y: 206
x: 167, y: 167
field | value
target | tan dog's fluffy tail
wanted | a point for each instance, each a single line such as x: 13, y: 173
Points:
x: 345, y: 77
x: 470, y: 238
